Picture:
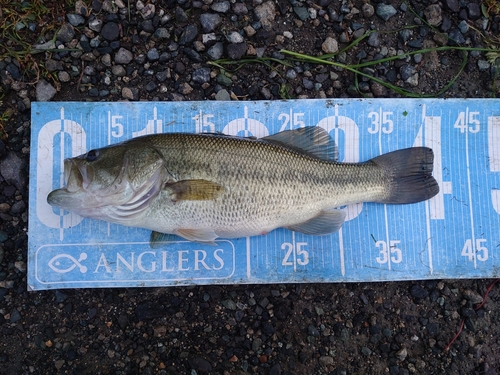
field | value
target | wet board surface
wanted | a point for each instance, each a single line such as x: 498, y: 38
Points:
x: 456, y: 234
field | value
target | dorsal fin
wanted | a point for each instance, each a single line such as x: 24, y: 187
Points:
x: 311, y: 140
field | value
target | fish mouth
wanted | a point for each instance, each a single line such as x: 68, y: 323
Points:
x: 77, y: 178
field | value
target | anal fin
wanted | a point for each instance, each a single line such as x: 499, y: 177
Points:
x: 205, y: 235
x: 327, y: 221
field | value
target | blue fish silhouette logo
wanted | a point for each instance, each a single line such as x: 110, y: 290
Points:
x: 69, y: 262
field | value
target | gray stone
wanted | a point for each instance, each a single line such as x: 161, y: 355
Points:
x: 321, y: 78
x: 89, y: 70
x: 95, y: 42
x: 433, y: 14
x: 330, y: 45
x: 235, y: 37
x: 81, y: 8
x: 456, y: 37
x: 106, y: 59
x: 65, y: 33
x: 94, y: 92
x: 110, y: 31
x: 344, y: 38
x: 308, y: 84
x: 301, y: 12
x: 266, y: 93
x: 162, y: 76
x: 256, y: 344
x: 192, y: 54
x: 161, y: 33
x: 63, y: 76
x: 75, y: 19
x: 153, y: 54
x: 472, y: 296
x: 240, y: 9
x: 483, y: 65
x: 118, y: 70
x: 89, y: 56
x: 405, y: 35
x: 358, y: 33
x: 463, y: 26
x: 236, y: 51
x: 123, y: 56
x: 201, y: 75
x: 416, y: 43
x: 209, y: 22
x: 185, y: 88
x: 413, y: 80
x: 44, y: 46
x: 366, y: 351
x: 108, y: 6
x: 148, y: 12
x: 151, y: 86
x: 249, y: 30
x: 374, y: 39
x: 200, y: 364
x: 147, y: 26
x: 44, y: 91
x: 452, y: 5
x: 11, y: 169
x: 53, y: 65
x: 473, y: 11
x: 18, y: 208
x: 15, y: 316
x: 222, y: 95
x: 265, y: 13
x: 367, y: 10
x: 180, y: 15
x: 140, y: 59
x: 207, y: 38
x: 312, y: 330
x: 216, y: 51
x: 291, y: 74
x: 326, y: 360
x: 188, y: 35
x: 221, y: 7
x: 407, y: 71
x: 130, y: 93
x: 385, y: 11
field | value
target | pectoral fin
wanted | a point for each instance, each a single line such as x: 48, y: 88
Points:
x: 327, y: 221
x: 205, y: 235
x: 194, y: 190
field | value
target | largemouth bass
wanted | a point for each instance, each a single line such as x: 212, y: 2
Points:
x: 205, y: 186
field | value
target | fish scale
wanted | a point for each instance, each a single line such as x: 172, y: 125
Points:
x: 267, y: 187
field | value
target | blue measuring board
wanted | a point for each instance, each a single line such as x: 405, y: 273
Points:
x: 456, y: 234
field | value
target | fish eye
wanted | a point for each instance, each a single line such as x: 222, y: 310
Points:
x: 92, y: 155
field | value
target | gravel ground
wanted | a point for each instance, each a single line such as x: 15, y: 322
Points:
x: 160, y: 50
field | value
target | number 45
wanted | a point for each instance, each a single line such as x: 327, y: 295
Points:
x: 480, y: 252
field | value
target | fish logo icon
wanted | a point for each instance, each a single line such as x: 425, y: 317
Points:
x: 64, y: 263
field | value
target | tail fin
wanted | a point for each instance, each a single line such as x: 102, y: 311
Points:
x: 410, y: 175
